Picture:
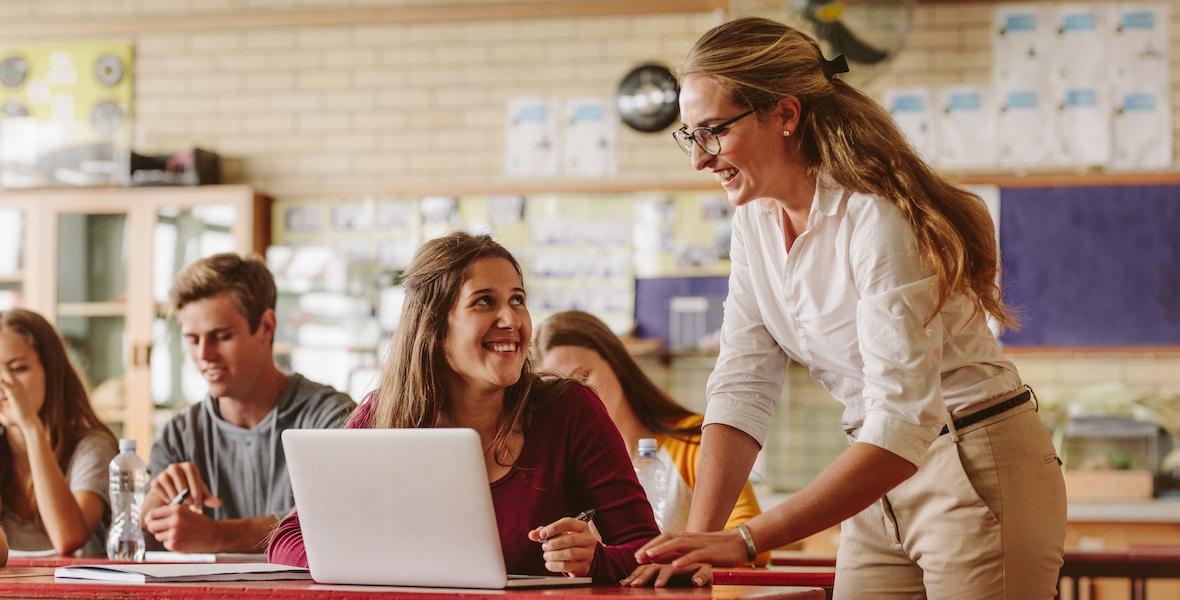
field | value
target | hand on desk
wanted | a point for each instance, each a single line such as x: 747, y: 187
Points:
x: 663, y: 575
x: 686, y: 552
x: 568, y: 544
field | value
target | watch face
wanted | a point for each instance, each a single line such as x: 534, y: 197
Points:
x: 648, y: 98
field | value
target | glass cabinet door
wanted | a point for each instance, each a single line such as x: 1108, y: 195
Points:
x: 91, y: 303
x: 180, y: 236
x: 12, y: 259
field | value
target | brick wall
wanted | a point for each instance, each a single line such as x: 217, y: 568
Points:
x: 386, y: 107
x: 381, y: 108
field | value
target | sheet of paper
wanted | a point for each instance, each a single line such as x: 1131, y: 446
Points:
x: 530, y: 135
x: 966, y: 127
x: 911, y: 109
x: 590, y: 138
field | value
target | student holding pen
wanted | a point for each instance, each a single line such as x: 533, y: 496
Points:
x: 222, y: 457
x: 459, y: 358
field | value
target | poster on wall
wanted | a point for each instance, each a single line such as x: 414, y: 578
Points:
x: 531, y: 138
x: 65, y: 113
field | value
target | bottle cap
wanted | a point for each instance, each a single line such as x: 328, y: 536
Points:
x: 647, y: 445
x: 126, y: 445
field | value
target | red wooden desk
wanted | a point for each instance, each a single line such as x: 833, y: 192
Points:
x: 776, y: 575
x: 1137, y: 564
x: 38, y: 582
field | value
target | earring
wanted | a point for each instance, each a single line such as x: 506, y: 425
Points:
x: 787, y: 133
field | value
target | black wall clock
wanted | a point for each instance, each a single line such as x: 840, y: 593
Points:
x: 648, y: 98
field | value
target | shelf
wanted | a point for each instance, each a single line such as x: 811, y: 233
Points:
x: 92, y: 309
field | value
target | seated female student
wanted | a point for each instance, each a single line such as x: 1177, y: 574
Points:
x: 55, y: 452
x: 459, y: 358
x: 579, y: 345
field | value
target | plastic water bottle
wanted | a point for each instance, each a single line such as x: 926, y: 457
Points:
x: 129, y: 485
x: 653, y: 475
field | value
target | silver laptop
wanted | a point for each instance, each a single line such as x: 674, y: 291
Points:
x: 400, y: 507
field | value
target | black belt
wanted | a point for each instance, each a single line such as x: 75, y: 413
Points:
x: 990, y: 411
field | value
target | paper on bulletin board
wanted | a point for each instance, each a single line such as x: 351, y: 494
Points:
x: 66, y: 113
x: 1138, y: 52
x: 1142, y: 130
x: 1080, y: 48
x: 591, y: 138
x: 966, y: 127
x: 911, y: 110
x: 1083, y: 126
x: 530, y: 135
x: 1021, y: 38
x: 1025, y: 129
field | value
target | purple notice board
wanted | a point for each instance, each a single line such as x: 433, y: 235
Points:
x: 1092, y: 266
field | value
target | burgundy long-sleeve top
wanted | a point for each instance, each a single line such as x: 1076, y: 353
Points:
x: 573, y: 459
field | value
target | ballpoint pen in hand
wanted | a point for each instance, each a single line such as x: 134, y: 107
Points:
x: 181, y: 497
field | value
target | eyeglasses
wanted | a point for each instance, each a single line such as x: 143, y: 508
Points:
x: 705, y: 137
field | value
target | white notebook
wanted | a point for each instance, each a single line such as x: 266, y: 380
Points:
x: 162, y: 572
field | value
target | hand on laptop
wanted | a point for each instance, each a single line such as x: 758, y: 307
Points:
x: 568, y: 545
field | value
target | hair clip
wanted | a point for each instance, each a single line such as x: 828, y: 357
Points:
x: 833, y: 67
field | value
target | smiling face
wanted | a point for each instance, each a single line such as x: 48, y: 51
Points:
x: 229, y: 356
x: 488, y: 330
x: 20, y: 362
x: 753, y: 150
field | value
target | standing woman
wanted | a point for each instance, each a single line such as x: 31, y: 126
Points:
x: 459, y: 358
x: 852, y: 257
x: 55, y: 451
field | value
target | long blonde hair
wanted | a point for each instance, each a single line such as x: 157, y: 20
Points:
x: 849, y: 136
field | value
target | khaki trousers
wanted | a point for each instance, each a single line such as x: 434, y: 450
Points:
x: 983, y: 518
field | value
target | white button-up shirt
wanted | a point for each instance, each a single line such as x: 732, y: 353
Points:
x: 850, y: 302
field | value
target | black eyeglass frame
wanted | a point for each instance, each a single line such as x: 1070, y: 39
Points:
x: 685, y: 138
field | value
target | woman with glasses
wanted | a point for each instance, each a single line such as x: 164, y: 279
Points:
x: 854, y: 258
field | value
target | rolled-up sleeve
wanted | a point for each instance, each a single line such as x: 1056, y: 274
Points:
x: 903, y: 397
x: 747, y: 380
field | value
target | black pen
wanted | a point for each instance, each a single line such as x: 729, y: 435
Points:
x: 180, y: 497
x: 585, y: 516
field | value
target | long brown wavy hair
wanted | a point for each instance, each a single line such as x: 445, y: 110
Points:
x: 849, y: 136
x: 412, y: 390
x: 651, y: 405
x: 66, y: 413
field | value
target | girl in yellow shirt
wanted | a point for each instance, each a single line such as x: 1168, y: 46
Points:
x: 579, y: 345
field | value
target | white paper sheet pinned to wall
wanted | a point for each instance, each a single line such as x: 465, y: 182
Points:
x: 911, y: 110
x: 530, y: 138
x: 966, y: 127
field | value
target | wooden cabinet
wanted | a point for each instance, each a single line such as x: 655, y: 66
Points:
x: 98, y: 263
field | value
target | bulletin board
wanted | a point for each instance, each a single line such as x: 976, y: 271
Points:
x: 65, y: 112
x: 1092, y: 266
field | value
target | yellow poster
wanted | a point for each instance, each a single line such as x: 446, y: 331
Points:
x: 65, y: 113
